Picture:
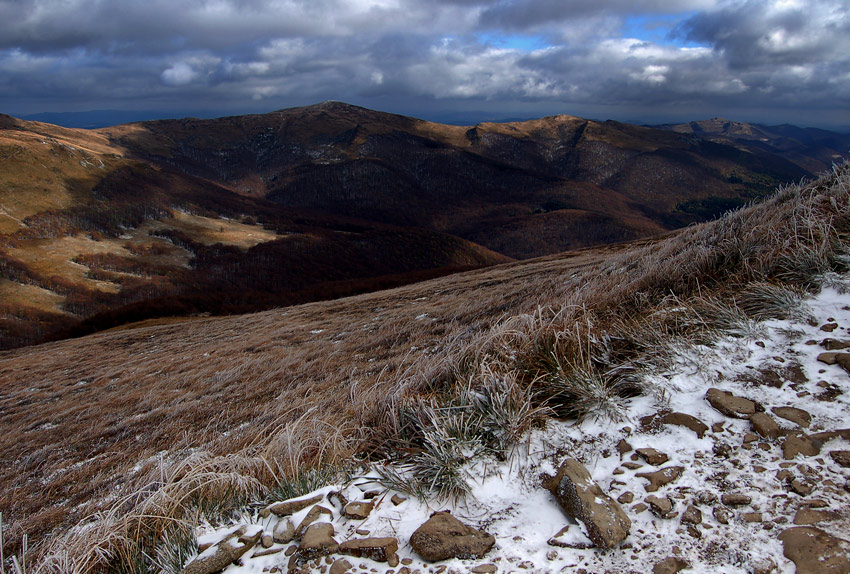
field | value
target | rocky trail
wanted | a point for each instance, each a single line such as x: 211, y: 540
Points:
x: 739, y: 463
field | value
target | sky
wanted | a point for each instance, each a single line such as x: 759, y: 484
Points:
x: 644, y: 61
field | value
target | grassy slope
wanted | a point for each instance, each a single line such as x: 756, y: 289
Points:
x: 312, y: 384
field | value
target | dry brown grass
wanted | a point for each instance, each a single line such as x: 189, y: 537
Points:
x: 270, y: 394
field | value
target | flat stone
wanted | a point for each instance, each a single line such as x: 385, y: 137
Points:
x: 814, y: 551
x: 752, y: 517
x: 721, y: 515
x: 687, y: 421
x: 626, y: 498
x: 831, y: 344
x: 377, y: 549
x: 358, y: 510
x: 735, y: 499
x: 765, y: 425
x: 340, y: 566
x: 806, y: 516
x: 652, y: 456
x: 730, y: 405
x: 661, y: 507
x: 443, y: 536
x: 795, y: 444
x: 670, y: 565
x: 582, y: 499
x: 623, y: 447
x: 842, y: 457
x: 828, y: 358
x: 797, y: 416
x: 318, y: 541
x: 284, y: 531
x: 802, y: 487
x: 288, y: 507
x: 315, y: 513
x: 485, y: 569
x: 661, y: 477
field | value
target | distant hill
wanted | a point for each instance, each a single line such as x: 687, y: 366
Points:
x: 813, y: 149
x: 193, y: 216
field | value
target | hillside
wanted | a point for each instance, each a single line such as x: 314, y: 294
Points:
x: 190, y: 420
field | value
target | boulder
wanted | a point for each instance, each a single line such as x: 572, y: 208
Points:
x: 797, y: 416
x: 661, y: 477
x: 730, y: 405
x: 284, y: 531
x: 377, y: 549
x: 815, y: 551
x: 224, y: 553
x: 317, y: 541
x: 582, y: 499
x: 315, y: 513
x: 443, y: 536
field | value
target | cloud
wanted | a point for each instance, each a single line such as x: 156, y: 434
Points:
x: 545, y: 54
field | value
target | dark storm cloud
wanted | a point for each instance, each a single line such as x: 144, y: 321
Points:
x: 545, y: 54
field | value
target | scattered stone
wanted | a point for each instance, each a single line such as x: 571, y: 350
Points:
x: 652, y: 456
x: 670, y: 565
x: 291, y: 550
x: 485, y: 569
x: 687, y: 421
x: 807, y: 515
x: 815, y: 552
x: 227, y: 551
x: 639, y: 507
x: 750, y: 437
x: 312, y: 516
x: 752, y: 517
x: 829, y: 327
x: 443, y: 536
x: 266, y: 541
x: 623, y: 447
x: 632, y: 465
x: 692, y: 515
x: 284, y: 531
x: 717, y: 427
x: 797, y: 416
x: 340, y: 566
x: 626, y: 498
x: 266, y: 552
x: 397, y: 499
x: 765, y: 425
x: 661, y: 477
x: 392, y: 561
x: 358, y: 510
x: 834, y: 344
x: 318, y: 541
x: 377, y: 549
x: 842, y: 457
x: 582, y: 499
x: 661, y: 507
x: 764, y: 566
x: 795, y: 444
x: 802, y: 487
x: 722, y: 515
x: 730, y: 405
x: 828, y: 358
x: 735, y: 499
x: 570, y: 536
x: 292, y: 506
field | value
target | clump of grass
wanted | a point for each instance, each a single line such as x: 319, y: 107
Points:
x: 762, y: 300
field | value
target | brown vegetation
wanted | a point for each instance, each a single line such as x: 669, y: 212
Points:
x: 254, y: 399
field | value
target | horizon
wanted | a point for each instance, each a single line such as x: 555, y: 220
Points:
x: 759, y: 61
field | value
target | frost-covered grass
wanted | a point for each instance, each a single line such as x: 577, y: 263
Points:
x: 498, y: 352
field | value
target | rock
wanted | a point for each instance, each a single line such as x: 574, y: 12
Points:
x: 571, y: 536
x: 639, y: 507
x: 687, y: 421
x: 692, y: 515
x: 806, y: 516
x: 397, y: 499
x: 827, y: 358
x: 661, y: 507
x: 377, y: 549
x: 797, y: 416
x: 802, y: 487
x: 340, y: 566
x: 485, y: 569
x: 843, y: 361
x: 764, y: 566
x: 721, y: 515
x: 815, y: 552
x: 312, y: 516
x: 284, y: 531
x: 358, y: 510
x: 764, y: 424
x: 834, y: 344
x: 652, y: 456
x: 752, y: 517
x: 735, y: 499
x: 318, y: 541
x: 443, y: 536
x: 829, y: 327
x: 670, y: 565
x: 842, y: 457
x: 337, y: 499
x: 795, y: 444
x: 267, y: 541
x: 730, y: 405
x: 604, y: 521
x: 626, y: 498
x: 227, y: 551
x: 392, y: 560
x: 661, y: 477
x: 288, y: 507
x: 623, y: 447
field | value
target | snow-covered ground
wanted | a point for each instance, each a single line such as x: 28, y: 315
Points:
x: 776, y: 366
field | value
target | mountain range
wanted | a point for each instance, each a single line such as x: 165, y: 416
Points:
x: 100, y: 228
